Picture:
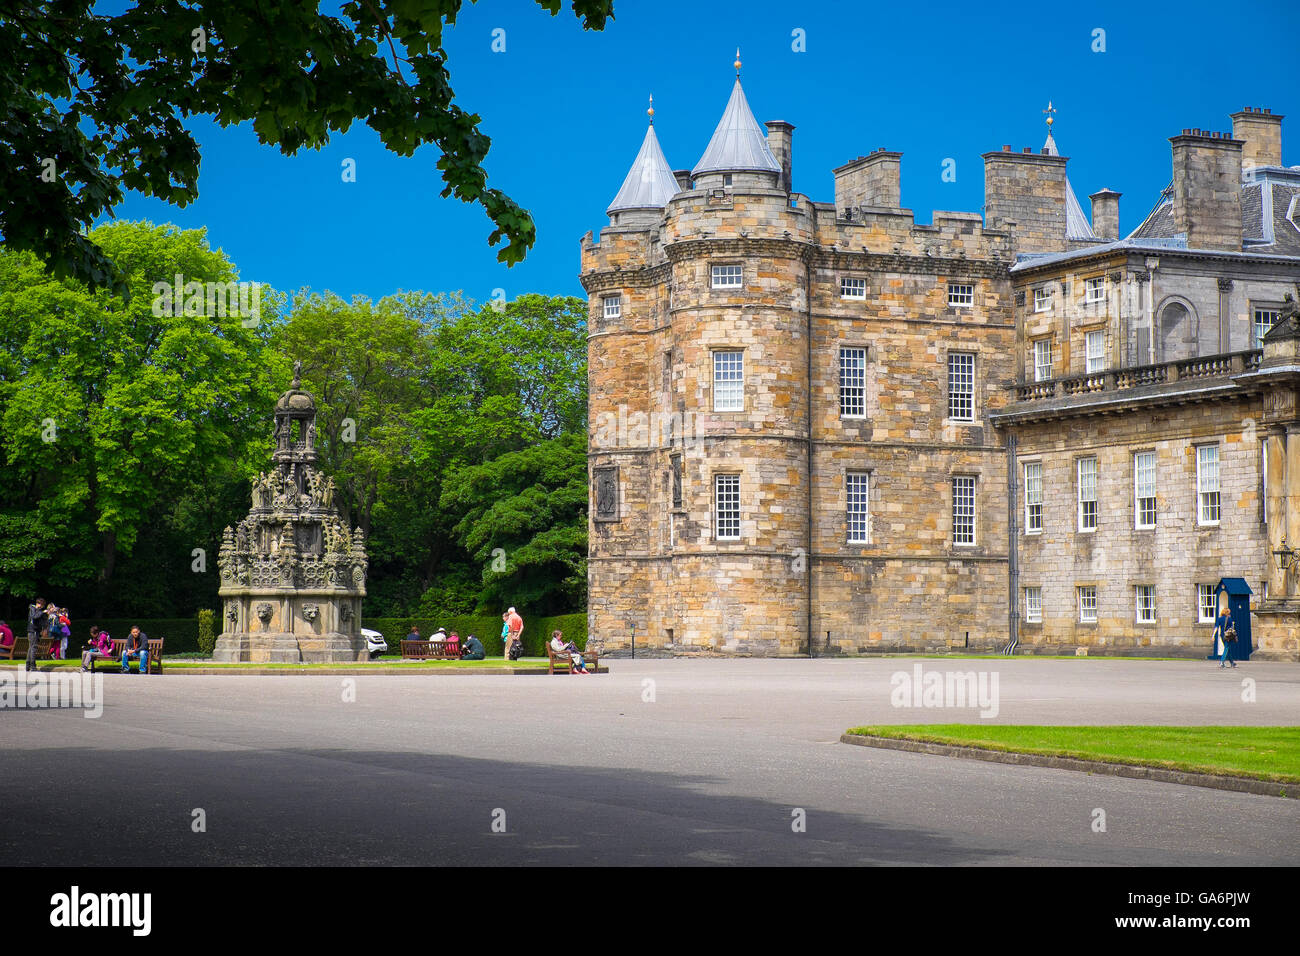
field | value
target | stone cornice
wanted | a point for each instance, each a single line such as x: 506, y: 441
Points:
x: 608, y: 280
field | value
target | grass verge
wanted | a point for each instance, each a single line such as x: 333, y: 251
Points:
x: 1259, y: 753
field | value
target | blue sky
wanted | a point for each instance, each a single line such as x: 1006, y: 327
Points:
x: 565, y: 109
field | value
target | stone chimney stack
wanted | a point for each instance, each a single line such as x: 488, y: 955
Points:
x: 871, y: 180
x: 1207, y: 189
x: 1261, y: 132
x: 780, y: 140
x: 1027, y: 188
x: 683, y: 177
x: 1105, y: 214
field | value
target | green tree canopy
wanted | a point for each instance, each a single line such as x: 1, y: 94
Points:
x: 111, y: 411
x: 92, y: 104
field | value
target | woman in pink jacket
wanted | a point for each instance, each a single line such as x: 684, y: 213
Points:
x: 101, y: 645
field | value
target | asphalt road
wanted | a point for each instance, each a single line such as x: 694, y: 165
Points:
x: 585, y: 770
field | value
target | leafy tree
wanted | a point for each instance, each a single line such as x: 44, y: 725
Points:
x: 110, y: 413
x: 91, y: 104
x: 523, y: 518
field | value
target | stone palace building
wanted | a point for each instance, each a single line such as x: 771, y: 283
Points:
x: 821, y: 427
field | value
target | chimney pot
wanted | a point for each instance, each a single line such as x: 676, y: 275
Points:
x: 1027, y: 149
x: 1186, y: 132
x: 1006, y: 148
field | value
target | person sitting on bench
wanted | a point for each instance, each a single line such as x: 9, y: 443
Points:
x: 101, y: 645
x: 472, y: 649
x: 560, y: 646
x: 6, y: 635
x: 137, y: 645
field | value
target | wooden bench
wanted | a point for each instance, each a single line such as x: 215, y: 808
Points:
x: 12, y: 653
x: 7, y: 651
x: 430, y: 650
x: 564, y: 660
x: 154, y: 644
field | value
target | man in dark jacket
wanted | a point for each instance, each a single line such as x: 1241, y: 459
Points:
x: 37, y: 625
x: 472, y: 649
x: 137, y: 645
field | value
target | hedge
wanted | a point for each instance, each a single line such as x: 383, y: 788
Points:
x: 537, y: 630
x: 182, y: 634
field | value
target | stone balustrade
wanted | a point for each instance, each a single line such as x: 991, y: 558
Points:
x: 1112, y: 380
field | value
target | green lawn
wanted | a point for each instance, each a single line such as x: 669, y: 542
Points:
x: 384, y: 663
x: 1264, y: 753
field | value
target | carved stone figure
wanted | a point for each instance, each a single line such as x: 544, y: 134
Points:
x: 264, y: 612
x: 311, y: 612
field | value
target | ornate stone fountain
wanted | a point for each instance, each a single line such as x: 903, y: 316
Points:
x: 292, y: 574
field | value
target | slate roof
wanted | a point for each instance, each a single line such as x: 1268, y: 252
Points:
x: 737, y: 144
x: 1076, y: 223
x: 650, y: 182
x: 1270, y: 214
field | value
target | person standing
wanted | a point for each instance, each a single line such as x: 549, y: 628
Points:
x: 37, y: 626
x: 1225, y: 635
x: 514, y: 627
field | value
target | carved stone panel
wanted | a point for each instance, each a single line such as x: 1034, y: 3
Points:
x: 606, y: 493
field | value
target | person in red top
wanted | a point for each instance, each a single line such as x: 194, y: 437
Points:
x: 514, y: 627
x: 6, y: 635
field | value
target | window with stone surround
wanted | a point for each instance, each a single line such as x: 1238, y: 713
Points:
x: 1033, y: 497
x: 1094, y: 347
x: 853, y: 382
x: 961, y: 386
x: 726, y: 507
x: 1144, y: 490
x: 1042, y: 359
x: 852, y: 288
x: 1094, y: 290
x: 1265, y: 319
x: 1146, y: 603
x: 728, y: 381
x: 1033, y: 605
x: 1042, y: 299
x: 1206, y: 604
x: 726, y: 277
x: 856, y: 485
x: 963, y: 509
x: 613, y: 306
x: 961, y: 294
x: 1087, y: 494
x: 1207, y: 484
x: 1087, y: 603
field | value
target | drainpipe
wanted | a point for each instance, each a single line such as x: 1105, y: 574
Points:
x: 807, y: 292
x: 1013, y: 564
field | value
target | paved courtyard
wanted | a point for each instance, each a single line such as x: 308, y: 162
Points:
x: 586, y: 770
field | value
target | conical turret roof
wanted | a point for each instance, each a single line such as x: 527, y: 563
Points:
x: 737, y: 143
x: 650, y: 182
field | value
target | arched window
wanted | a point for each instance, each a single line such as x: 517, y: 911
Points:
x: 1177, y: 333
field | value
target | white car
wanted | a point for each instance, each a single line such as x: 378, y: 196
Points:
x: 375, y: 643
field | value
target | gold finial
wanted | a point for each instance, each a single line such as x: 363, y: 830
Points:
x: 1049, y: 111
x: 651, y: 111
x: 737, y: 61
